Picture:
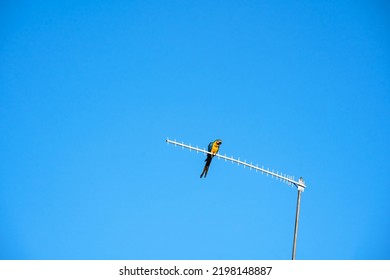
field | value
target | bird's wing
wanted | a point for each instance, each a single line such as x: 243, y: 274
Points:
x: 210, y: 147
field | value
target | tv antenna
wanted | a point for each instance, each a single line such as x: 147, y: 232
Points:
x: 289, y: 180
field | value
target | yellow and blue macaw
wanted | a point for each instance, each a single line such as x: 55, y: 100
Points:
x: 213, y: 148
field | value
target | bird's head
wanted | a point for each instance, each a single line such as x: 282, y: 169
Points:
x: 218, y: 142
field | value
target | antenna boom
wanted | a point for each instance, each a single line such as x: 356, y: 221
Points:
x: 284, y: 178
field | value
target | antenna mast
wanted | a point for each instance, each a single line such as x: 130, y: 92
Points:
x: 289, y: 180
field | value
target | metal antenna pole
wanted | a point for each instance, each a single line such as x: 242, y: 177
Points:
x: 289, y: 180
x: 300, y: 190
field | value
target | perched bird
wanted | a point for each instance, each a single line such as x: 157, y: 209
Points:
x: 213, y: 149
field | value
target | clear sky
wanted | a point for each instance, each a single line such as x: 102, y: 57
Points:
x: 90, y: 90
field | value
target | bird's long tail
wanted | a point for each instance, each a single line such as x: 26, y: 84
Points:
x: 206, y: 166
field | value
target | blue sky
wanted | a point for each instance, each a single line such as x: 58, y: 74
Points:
x: 90, y: 90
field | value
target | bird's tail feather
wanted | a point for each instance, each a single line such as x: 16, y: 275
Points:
x: 206, y: 167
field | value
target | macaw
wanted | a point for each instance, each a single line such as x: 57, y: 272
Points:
x: 213, y: 148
